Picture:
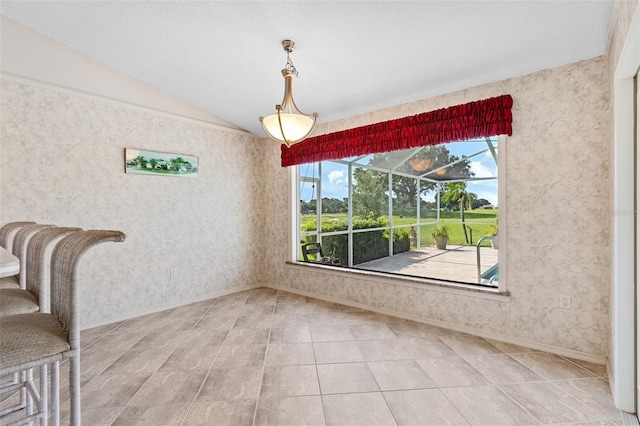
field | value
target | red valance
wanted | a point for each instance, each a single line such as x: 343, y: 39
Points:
x: 488, y: 117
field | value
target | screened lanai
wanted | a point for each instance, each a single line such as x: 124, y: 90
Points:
x: 378, y: 211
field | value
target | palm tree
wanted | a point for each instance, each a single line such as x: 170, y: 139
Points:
x: 457, y: 193
x: 179, y: 163
x: 140, y: 161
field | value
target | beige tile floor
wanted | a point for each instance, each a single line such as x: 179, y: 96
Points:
x: 267, y: 357
x: 455, y: 263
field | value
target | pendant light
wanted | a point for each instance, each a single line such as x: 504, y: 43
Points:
x: 288, y: 125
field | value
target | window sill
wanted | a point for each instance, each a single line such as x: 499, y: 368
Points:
x: 416, y: 282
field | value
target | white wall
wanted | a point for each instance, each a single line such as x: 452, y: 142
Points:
x: 62, y: 162
x: 558, y: 231
x: 624, y: 55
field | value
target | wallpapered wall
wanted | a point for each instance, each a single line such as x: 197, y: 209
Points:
x: 558, y: 222
x: 63, y: 163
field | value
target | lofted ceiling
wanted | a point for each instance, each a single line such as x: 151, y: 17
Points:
x: 353, y: 57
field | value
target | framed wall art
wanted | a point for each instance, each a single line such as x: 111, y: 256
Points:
x: 141, y: 162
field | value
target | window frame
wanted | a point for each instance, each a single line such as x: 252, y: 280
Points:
x: 294, y: 227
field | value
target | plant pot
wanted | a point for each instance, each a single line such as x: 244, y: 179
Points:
x: 441, y: 242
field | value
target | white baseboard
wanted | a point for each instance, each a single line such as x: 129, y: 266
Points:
x: 569, y: 353
x: 165, y: 307
x: 629, y: 419
x: 610, y: 377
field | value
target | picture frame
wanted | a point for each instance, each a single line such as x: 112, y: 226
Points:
x: 144, y: 162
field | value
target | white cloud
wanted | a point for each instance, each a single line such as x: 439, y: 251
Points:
x: 336, y: 177
x: 481, y: 170
x: 487, y: 189
x: 491, y: 197
x: 488, y: 156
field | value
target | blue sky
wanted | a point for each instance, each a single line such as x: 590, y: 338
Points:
x: 335, y: 183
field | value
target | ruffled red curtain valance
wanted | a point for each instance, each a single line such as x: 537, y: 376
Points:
x: 488, y: 117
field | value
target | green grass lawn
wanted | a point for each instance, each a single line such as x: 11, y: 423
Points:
x: 480, y: 221
x: 478, y: 230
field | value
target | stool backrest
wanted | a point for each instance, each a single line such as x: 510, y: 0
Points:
x: 20, y: 243
x: 8, y: 231
x: 64, y: 277
x: 38, y: 262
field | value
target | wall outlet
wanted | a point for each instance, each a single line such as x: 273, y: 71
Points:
x: 565, y: 302
x: 173, y: 272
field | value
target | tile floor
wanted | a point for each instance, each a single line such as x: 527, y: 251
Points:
x: 267, y: 357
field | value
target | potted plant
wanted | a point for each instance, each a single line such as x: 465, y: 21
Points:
x: 441, y: 236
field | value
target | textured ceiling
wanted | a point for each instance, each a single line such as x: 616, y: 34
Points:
x: 353, y: 57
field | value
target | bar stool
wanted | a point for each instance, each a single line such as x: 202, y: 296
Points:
x: 36, y: 265
x: 8, y: 230
x: 19, y: 249
x: 39, y: 339
x: 7, y: 233
x: 35, y: 297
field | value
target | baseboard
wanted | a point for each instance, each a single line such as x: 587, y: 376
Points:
x: 165, y: 307
x: 629, y: 419
x: 610, y: 377
x: 569, y: 353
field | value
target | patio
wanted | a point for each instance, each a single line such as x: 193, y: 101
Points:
x: 456, y: 263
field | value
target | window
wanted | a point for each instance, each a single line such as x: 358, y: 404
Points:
x: 378, y: 212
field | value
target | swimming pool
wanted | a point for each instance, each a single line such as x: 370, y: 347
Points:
x: 490, y: 276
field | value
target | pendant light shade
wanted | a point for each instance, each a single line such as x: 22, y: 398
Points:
x: 288, y: 124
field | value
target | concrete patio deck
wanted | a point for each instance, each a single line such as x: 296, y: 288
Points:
x: 455, y: 263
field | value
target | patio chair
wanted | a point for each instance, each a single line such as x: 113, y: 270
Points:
x: 316, y: 249
x: 39, y: 339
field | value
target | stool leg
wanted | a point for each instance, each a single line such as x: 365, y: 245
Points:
x: 28, y: 376
x: 17, y: 378
x: 74, y: 390
x: 44, y: 396
x: 55, y: 393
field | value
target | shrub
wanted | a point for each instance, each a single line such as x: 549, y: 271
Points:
x: 368, y: 245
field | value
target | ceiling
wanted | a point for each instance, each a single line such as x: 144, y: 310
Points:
x: 353, y: 57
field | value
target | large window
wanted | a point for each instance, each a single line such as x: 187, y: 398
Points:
x: 380, y: 212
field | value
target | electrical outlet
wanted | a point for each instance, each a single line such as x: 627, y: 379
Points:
x: 173, y: 272
x: 565, y: 302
